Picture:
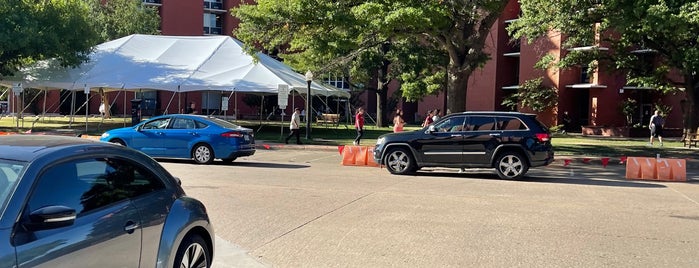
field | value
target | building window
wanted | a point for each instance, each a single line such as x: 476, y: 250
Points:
x: 212, y: 24
x: 337, y: 81
x: 584, y: 76
x: 213, y: 4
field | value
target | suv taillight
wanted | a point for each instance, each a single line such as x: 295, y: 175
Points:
x: 543, y: 137
x: 232, y: 134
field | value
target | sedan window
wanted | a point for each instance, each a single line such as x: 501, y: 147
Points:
x: 87, y: 185
x: 157, y: 124
x: 183, y: 123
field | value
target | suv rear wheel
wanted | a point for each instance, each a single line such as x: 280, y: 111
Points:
x: 511, y: 166
x: 400, y: 161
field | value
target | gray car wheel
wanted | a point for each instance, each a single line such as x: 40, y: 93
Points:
x: 511, y: 166
x: 193, y: 253
x: 202, y: 154
x: 400, y: 161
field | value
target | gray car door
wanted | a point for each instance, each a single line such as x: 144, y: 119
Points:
x: 106, y: 231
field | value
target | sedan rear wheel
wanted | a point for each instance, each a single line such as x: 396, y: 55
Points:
x: 400, y: 161
x: 511, y: 166
x: 202, y: 154
x: 193, y: 252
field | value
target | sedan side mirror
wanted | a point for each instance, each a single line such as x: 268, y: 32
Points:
x: 50, y: 217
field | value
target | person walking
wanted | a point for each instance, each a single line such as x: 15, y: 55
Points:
x: 359, y: 125
x: 294, y: 126
x: 656, y: 127
x: 428, y: 120
x: 398, y: 122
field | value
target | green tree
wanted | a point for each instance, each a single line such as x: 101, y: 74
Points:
x: 533, y: 94
x: 667, y: 28
x: 36, y: 30
x: 424, y: 43
x: 358, y: 39
x: 114, y: 19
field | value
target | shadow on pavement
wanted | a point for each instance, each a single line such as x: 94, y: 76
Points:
x: 549, y: 176
x: 236, y: 164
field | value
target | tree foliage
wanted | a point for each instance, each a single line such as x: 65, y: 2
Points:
x: 35, y: 30
x: 423, y: 42
x: 668, y: 29
x: 66, y: 30
x: 114, y: 19
x: 533, y: 94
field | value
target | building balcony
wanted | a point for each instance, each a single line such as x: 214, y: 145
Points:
x: 514, y: 87
x: 512, y: 54
x: 586, y: 86
x: 213, y: 30
x: 589, y: 48
x: 153, y: 2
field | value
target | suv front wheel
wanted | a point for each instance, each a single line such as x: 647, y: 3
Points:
x: 511, y: 166
x: 400, y: 161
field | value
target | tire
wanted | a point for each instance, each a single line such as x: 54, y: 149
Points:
x: 193, y: 252
x: 511, y: 166
x: 202, y: 154
x: 118, y: 141
x: 400, y: 161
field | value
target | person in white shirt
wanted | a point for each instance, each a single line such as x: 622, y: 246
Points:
x: 294, y: 127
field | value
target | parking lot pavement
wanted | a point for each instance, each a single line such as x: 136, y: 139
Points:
x: 301, y: 208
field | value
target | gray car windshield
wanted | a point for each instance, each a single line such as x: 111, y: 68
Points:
x: 9, y: 173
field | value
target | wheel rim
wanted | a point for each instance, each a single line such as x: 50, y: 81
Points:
x: 398, y: 161
x: 194, y: 257
x: 202, y: 154
x: 511, y: 166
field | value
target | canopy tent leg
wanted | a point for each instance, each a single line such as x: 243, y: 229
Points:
x: 167, y: 108
x: 43, y: 110
x: 226, y: 113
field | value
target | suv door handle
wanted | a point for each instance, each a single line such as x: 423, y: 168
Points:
x: 456, y: 135
x: 494, y: 134
x: 131, y: 226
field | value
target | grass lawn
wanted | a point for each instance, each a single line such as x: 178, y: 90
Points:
x: 270, y: 131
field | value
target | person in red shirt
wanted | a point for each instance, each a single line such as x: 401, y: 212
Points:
x: 359, y: 125
x: 428, y: 120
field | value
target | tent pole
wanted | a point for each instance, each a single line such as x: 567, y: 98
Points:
x: 43, y: 113
x: 168, y: 104
x: 235, y: 95
x: 87, y: 108
x: 72, y: 109
x: 229, y: 100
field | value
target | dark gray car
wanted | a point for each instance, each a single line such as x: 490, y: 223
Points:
x: 71, y: 202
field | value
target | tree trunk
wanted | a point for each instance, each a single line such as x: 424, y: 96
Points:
x: 382, y: 86
x: 456, y: 89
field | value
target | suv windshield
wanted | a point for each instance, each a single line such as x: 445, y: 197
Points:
x: 9, y: 173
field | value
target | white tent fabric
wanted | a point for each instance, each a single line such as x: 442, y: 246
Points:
x: 173, y: 63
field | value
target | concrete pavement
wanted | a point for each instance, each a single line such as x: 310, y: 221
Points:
x: 292, y: 214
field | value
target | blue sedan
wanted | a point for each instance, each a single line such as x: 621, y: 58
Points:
x: 186, y: 136
x: 71, y: 202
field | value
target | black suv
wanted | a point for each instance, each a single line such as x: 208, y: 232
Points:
x: 510, y: 142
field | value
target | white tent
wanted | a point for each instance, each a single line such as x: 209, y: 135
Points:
x: 173, y: 63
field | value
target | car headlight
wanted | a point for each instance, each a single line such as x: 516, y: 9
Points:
x: 380, y: 140
x: 104, y: 135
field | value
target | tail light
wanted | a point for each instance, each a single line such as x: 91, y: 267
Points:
x: 543, y: 137
x: 232, y: 134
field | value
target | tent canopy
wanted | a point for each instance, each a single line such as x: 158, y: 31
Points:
x: 173, y: 63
